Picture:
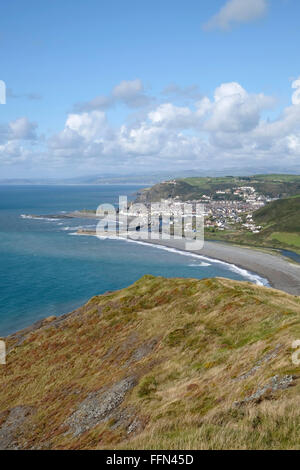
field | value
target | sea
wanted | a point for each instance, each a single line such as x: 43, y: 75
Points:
x: 45, y: 269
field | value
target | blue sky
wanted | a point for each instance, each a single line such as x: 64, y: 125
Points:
x: 114, y: 86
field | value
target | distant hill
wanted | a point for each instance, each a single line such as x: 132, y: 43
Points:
x: 163, y: 364
x: 274, y: 186
x: 149, y: 178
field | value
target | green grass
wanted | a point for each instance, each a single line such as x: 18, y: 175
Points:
x: 292, y: 239
x: 280, y: 221
x: 282, y: 215
x: 147, y: 386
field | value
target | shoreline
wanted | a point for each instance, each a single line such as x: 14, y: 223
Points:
x: 277, y: 270
x: 249, y: 275
x: 280, y: 273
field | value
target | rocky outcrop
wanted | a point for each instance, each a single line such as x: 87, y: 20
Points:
x: 99, y: 406
x: 266, y: 391
x: 11, y: 428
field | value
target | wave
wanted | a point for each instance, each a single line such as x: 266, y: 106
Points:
x: 258, y: 280
x: 194, y: 265
x: 34, y: 217
x: 25, y: 216
x: 205, y: 261
x: 79, y: 227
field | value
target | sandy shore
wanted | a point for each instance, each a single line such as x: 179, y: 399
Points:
x: 280, y: 273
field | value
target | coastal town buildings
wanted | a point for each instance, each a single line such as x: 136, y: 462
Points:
x: 222, y: 210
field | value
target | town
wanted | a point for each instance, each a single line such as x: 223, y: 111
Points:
x: 225, y: 209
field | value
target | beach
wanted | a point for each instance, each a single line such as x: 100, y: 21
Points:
x: 277, y: 270
x: 280, y: 273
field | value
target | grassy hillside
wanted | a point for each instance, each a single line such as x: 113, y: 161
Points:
x: 163, y: 364
x: 282, y: 215
x: 281, y: 227
x: 281, y: 222
x: 193, y: 188
x: 169, y: 190
x: 269, y: 185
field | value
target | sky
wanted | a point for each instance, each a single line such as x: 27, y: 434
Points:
x: 95, y: 87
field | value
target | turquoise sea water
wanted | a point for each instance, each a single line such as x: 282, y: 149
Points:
x: 44, y: 270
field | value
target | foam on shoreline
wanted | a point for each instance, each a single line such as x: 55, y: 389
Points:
x: 206, y: 261
x: 260, y: 281
x: 34, y: 217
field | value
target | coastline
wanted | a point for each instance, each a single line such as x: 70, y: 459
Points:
x: 277, y: 270
x: 280, y: 273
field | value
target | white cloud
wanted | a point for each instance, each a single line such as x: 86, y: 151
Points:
x: 293, y: 143
x: 222, y: 129
x: 9, y: 152
x: 66, y: 139
x: 234, y: 110
x: 158, y: 143
x: 203, y: 107
x: 82, y: 136
x: 237, y: 11
x: 131, y: 93
x: 227, y: 129
x: 22, y: 128
x: 232, y: 89
x: 16, y: 140
x: 172, y: 116
x: 87, y: 125
x: 128, y: 89
x: 296, y: 94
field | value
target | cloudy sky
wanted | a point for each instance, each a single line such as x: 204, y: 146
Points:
x: 98, y: 87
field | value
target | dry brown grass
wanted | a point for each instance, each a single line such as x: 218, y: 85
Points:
x: 207, y: 334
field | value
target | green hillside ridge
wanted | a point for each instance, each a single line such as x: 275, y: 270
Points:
x: 193, y: 188
x: 282, y: 215
x: 281, y: 222
x: 281, y: 227
x: 162, y: 364
x: 268, y: 185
